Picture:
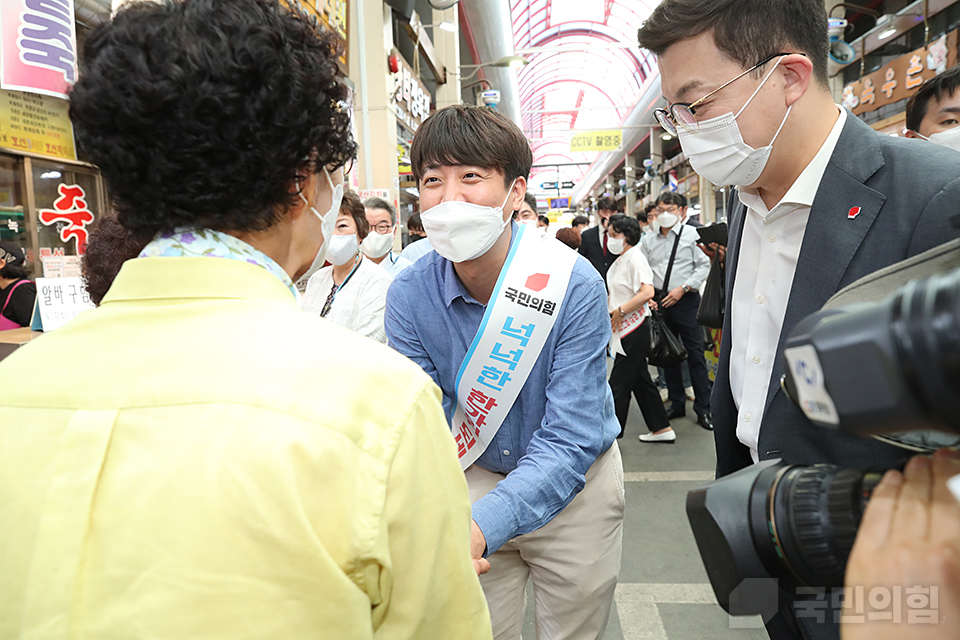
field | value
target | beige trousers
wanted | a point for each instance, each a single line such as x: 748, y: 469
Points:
x: 573, y: 560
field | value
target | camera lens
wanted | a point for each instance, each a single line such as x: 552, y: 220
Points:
x: 812, y: 519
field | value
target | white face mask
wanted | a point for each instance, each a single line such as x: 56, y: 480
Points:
x: 343, y: 249
x: 615, y: 245
x: 327, y: 224
x: 718, y: 153
x: 667, y: 220
x: 949, y: 138
x: 375, y: 245
x: 461, y: 231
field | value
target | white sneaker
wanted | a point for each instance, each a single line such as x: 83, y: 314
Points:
x: 668, y: 437
x: 665, y: 395
x: 690, y: 396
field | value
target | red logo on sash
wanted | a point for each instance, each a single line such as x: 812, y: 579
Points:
x: 537, y: 281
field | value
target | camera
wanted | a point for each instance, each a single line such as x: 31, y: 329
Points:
x: 888, y: 369
x: 490, y: 98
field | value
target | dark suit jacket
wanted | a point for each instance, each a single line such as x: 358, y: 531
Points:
x: 592, y: 250
x: 907, y: 191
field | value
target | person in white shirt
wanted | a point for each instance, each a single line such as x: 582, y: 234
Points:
x: 630, y: 286
x: 382, y: 217
x: 352, y: 292
x: 679, y: 299
x: 419, y: 244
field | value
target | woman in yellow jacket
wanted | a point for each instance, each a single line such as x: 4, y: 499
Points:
x: 197, y: 458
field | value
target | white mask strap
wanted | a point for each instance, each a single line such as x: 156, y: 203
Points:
x: 757, y: 90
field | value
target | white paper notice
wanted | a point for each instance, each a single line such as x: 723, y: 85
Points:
x: 60, y: 300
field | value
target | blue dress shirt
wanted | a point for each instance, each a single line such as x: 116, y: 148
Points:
x: 563, y: 418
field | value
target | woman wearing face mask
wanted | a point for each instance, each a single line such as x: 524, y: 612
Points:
x: 215, y: 461
x: 630, y: 282
x: 351, y: 292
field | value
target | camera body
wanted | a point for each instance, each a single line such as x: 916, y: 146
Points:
x: 489, y: 98
x: 882, y: 367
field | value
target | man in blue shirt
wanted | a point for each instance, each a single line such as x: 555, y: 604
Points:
x: 548, y: 491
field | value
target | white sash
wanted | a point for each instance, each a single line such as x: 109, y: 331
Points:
x: 627, y: 326
x: 520, y: 315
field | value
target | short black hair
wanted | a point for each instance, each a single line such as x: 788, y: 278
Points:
x: 379, y: 203
x: 10, y: 271
x: 672, y: 197
x: 111, y: 244
x: 579, y: 220
x: 207, y: 113
x: 544, y: 219
x: 531, y: 200
x: 936, y: 88
x: 745, y: 31
x: 626, y: 225
x: 414, y: 223
x: 473, y: 136
x: 607, y: 204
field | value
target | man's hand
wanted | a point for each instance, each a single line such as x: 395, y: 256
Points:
x: 909, y: 537
x: 478, y: 544
x: 672, y: 298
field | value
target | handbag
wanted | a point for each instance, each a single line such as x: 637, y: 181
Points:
x: 713, y: 296
x: 666, y: 349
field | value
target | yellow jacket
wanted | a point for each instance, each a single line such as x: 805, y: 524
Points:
x: 197, y: 458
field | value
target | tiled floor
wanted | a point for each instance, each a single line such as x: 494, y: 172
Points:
x: 663, y: 593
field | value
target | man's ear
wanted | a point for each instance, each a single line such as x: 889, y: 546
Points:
x: 519, y: 191
x: 797, y: 76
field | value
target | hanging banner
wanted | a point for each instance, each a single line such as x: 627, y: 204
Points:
x: 900, y: 78
x: 35, y: 123
x: 38, y: 46
x: 597, y: 141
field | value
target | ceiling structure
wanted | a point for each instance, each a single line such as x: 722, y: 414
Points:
x: 590, y: 83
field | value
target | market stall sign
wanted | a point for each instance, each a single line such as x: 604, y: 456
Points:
x: 902, y: 77
x: 70, y: 212
x: 38, y: 46
x: 37, y: 124
x: 410, y: 96
x: 597, y: 140
x: 59, y: 300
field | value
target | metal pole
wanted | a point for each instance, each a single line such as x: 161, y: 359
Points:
x: 364, y: 99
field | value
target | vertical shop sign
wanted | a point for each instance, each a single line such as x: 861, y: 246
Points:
x: 38, y: 46
x: 70, y: 208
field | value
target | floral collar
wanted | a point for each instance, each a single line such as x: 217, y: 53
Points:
x: 192, y: 242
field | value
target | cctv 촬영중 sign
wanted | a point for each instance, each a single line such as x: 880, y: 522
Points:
x: 597, y: 140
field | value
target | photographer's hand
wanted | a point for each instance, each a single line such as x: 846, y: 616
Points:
x: 909, y: 537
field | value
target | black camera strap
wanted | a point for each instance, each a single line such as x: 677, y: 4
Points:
x: 673, y: 254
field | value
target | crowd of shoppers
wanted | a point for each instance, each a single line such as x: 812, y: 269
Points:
x: 217, y: 465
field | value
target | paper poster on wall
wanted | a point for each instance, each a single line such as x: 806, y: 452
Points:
x: 59, y: 300
x: 38, y: 46
x: 36, y: 123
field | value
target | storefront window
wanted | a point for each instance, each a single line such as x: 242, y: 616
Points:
x: 67, y: 201
x: 12, y: 225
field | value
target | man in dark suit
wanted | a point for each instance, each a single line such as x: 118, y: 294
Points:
x: 824, y: 200
x: 593, y: 245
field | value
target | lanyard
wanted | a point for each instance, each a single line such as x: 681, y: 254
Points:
x: 334, y: 289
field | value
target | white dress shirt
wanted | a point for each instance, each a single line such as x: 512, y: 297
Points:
x: 360, y: 302
x: 416, y: 250
x: 394, y: 263
x: 691, y: 265
x: 769, y: 250
x: 626, y: 275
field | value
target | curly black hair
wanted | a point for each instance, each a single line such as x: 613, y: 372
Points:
x: 207, y: 112
x: 109, y: 247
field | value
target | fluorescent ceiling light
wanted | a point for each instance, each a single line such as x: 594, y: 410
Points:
x: 50, y: 175
x: 446, y: 25
x: 666, y: 136
x: 887, y: 33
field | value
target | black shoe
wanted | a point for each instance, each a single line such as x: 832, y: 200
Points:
x: 676, y: 412
x: 705, y: 421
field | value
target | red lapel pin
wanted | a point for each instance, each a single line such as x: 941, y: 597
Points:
x: 853, y: 213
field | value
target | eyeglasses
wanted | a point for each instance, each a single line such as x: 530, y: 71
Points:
x: 681, y: 115
x: 670, y: 208
x: 382, y: 228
